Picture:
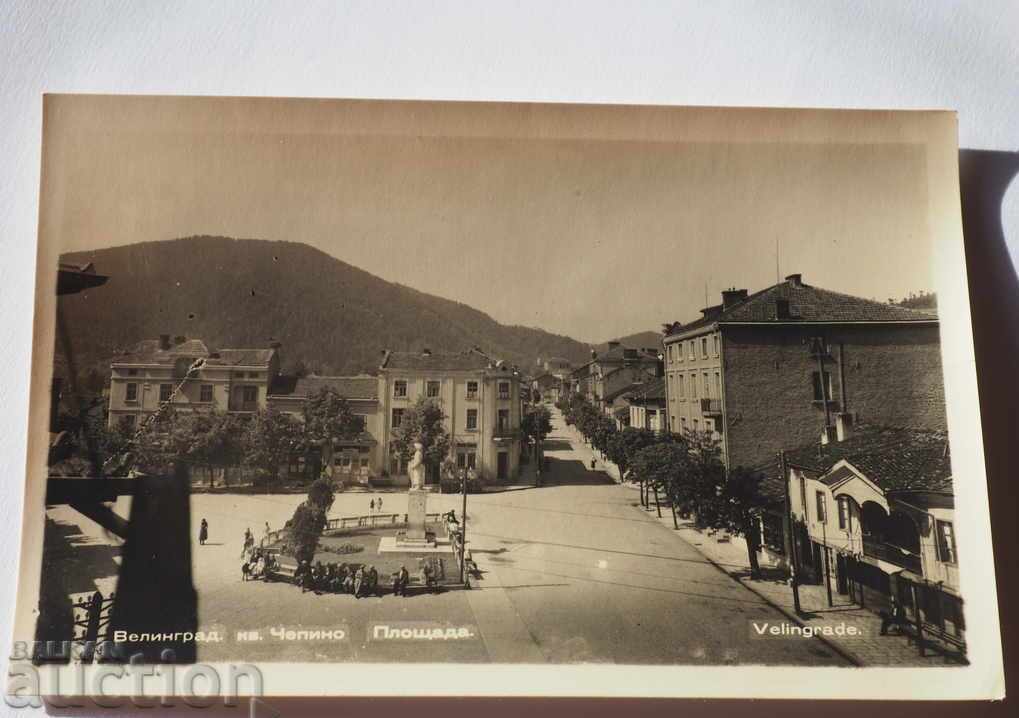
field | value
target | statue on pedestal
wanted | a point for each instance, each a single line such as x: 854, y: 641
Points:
x: 416, y: 468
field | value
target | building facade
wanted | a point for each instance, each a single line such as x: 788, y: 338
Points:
x: 191, y: 377
x: 356, y: 460
x: 801, y: 358
x: 873, y: 512
x: 480, y: 398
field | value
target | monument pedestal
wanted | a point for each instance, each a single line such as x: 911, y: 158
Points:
x: 417, y: 535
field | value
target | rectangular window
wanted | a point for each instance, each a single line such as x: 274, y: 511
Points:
x: 360, y: 422
x: 693, y: 386
x: 679, y: 351
x: 397, y: 417
x: 250, y: 394
x: 696, y: 425
x: 705, y: 385
x: 718, y: 385
x: 472, y: 390
x: 693, y: 355
x: 682, y: 425
x: 946, y: 542
x: 132, y: 372
x: 504, y: 390
x: 503, y: 419
x: 400, y: 388
x: 472, y: 420
x: 432, y: 390
x: 820, y: 507
x: 716, y: 345
x: 365, y: 463
x: 845, y: 517
x: 127, y: 422
x: 681, y: 387
x: 704, y: 347
x: 131, y: 393
x: 253, y: 374
x: 205, y: 393
x: 164, y: 392
x: 816, y: 381
x: 472, y: 460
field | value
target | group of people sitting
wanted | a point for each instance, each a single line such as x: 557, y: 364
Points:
x: 259, y: 565
x: 356, y: 579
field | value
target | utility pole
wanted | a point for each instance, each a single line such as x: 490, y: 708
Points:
x: 827, y: 556
x: 794, y: 580
x: 463, y: 529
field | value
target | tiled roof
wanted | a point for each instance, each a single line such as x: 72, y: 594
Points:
x: 654, y: 389
x: 806, y: 304
x: 148, y: 352
x: 349, y: 387
x: 471, y: 360
x: 895, y: 459
x: 246, y: 357
x: 618, y: 354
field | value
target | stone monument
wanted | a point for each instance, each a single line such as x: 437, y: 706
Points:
x: 417, y: 499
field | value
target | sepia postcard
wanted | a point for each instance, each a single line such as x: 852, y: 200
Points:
x: 332, y: 397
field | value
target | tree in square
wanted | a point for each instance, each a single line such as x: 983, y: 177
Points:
x: 423, y: 422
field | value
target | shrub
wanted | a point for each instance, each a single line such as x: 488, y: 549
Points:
x: 305, y: 528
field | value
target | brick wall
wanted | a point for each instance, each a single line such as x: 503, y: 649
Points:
x: 892, y: 376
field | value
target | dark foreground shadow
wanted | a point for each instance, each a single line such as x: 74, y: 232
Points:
x: 562, y: 472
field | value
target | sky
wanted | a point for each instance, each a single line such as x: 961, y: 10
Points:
x: 559, y: 221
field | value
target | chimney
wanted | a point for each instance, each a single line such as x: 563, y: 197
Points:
x: 795, y: 280
x: 733, y: 296
x: 164, y: 341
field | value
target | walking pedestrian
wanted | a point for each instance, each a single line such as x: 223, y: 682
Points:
x: 379, y: 505
x: 203, y: 533
x: 371, y: 507
x: 249, y: 542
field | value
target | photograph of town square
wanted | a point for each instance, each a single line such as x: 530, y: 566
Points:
x: 479, y: 400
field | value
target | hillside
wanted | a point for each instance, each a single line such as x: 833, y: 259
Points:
x: 333, y: 317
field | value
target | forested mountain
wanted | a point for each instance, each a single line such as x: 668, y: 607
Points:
x: 329, y: 315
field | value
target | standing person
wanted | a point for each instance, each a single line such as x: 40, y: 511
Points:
x: 203, y: 533
x: 400, y: 581
x: 358, y: 581
x: 379, y: 505
x: 373, y: 581
x: 249, y: 542
x: 265, y: 540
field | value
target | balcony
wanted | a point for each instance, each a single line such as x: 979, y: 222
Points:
x: 877, y: 548
x: 711, y: 407
x: 504, y: 432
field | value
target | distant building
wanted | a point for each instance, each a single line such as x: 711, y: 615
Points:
x: 613, y: 370
x: 645, y: 405
x: 355, y: 460
x: 479, y: 396
x: 802, y: 359
x: 162, y: 370
x: 874, y: 512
